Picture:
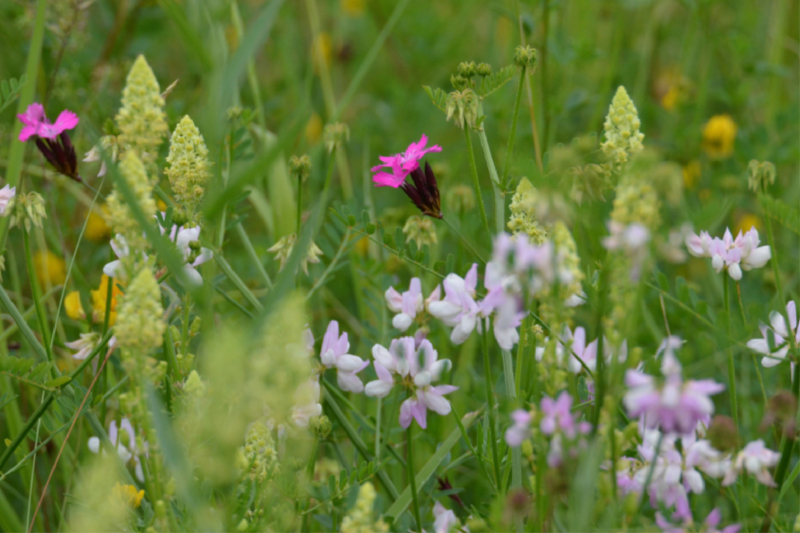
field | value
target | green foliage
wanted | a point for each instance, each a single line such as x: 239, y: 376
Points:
x: 782, y: 212
x: 9, y: 91
x: 496, y: 80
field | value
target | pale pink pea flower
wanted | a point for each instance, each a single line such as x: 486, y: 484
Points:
x: 521, y: 428
x: 7, y: 194
x: 406, y: 305
x: 780, y: 333
x: 728, y: 253
x: 755, y: 459
x: 333, y: 354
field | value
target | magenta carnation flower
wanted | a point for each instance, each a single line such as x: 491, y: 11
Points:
x: 402, y: 164
x: 52, y: 140
x: 36, y: 123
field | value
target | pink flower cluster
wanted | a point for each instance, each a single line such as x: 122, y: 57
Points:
x: 401, y: 364
x: 728, y: 253
x: 674, y: 405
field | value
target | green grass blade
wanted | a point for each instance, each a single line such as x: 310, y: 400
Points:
x: 23, y: 326
x: 402, y: 503
x: 234, y: 277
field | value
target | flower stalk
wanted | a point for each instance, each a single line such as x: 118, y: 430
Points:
x: 731, y: 365
x: 37, y: 294
x: 487, y: 371
x: 412, y: 476
x: 476, y: 184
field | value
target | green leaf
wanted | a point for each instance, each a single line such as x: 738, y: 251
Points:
x: 401, y: 503
x: 496, y: 80
x: 438, y: 97
x: 785, y: 214
x: 663, y: 282
x: 55, y: 383
x: 23, y: 326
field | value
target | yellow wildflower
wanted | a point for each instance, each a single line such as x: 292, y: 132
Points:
x: 323, y: 48
x: 314, y: 128
x: 128, y: 494
x: 354, y: 8
x: 50, y: 269
x: 73, y: 306
x: 97, y: 228
x: 747, y: 221
x: 719, y: 134
x: 99, y: 302
x: 691, y: 174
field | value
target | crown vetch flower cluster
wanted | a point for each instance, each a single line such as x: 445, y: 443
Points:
x: 673, y: 405
x: 416, y: 369
x: 728, y: 253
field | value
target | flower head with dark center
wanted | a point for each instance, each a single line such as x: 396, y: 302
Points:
x: 52, y: 139
x: 424, y: 191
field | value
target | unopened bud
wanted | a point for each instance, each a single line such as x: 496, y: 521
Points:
x: 336, y: 135
x: 722, y: 433
x: 526, y: 57
x: 300, y: 166
x: 467, y: 69
x: 760, y: 174
x: 484, y: 69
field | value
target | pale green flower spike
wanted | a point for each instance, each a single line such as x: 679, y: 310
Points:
x: 636, y: 202
x: 122, y: 220
x: 359, y: 519
x: 623, y: 138
x: 258, y: 458
x: 283, y: 249
x: 141, y: 118
x: 522, y: 218
x: 140, y: 324
x: 188, y: 169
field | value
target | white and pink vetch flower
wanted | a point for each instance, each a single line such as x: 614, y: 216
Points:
x: 417, y: 369
x: 728, y: 253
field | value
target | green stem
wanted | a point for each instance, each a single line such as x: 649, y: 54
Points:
x: 299, y: 201
x: 412, y: 475
x: 499, y: 196
x: 731, y: 365
x: 464, y: 240
x: 476, y: 184
x: 487, y: 371
x: 512, y: 135
x: 511, y: 393
x: 248, y: 246
x: 37, y: 294
x: 545, y: 113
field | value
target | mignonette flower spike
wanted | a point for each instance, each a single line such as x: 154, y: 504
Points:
x: 52, y: 140
x: 728, y: 253
x: 334, y: 355
x: 780, y: 333
x: 402, y: 362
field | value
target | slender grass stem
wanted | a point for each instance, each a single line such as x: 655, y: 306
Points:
x: 476, y: 184
x: 412, y: 475
x: 487, y: 371
x: 731, y: 364
x: 37, y: 294
x: 512, y: 135
x: 299, y: 201
x: 464, y: 240
x: 499, y: 195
